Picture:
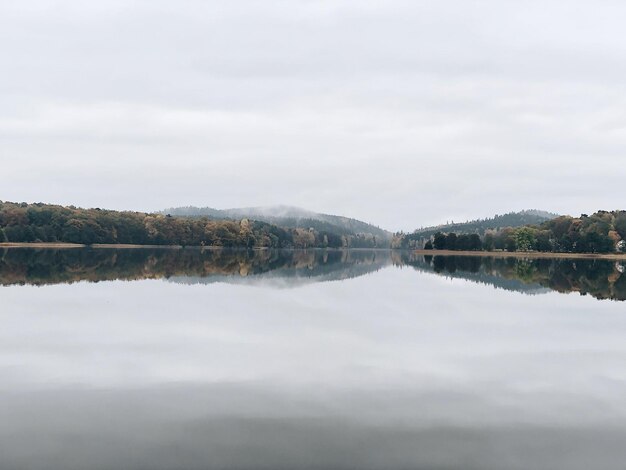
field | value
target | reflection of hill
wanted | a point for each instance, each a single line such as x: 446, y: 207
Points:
x: 303, y: 267
x: 601, y: 279
x: 286, y: 268
x: 40, y: 267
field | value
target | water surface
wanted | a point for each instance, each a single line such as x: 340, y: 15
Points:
x: 185, y: 359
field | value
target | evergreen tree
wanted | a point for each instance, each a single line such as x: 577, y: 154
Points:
x: 439, y: 241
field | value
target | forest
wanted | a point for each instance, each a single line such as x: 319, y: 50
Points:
x: 602, y: 232
x: 45, y: 223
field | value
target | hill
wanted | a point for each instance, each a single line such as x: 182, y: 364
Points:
x: 480, y: 226
x: 511, y: 219
x: 602, y: 232
x: 287, y: 217
x: 45, y: 223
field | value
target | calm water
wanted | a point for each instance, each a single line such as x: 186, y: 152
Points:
x: 182, y: 359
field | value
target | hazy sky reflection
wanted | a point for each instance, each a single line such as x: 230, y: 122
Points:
x: 394, y: 369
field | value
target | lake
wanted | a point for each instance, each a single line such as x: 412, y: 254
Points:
x: 214, y: 359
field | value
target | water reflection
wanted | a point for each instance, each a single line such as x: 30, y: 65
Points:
x: 393, y: 370
x: 40, y: 267
x: 601, y: 279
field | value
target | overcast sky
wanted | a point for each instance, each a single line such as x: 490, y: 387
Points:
x: 401, y: 113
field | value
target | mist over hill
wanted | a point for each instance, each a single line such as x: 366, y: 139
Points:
x: 286, y: 217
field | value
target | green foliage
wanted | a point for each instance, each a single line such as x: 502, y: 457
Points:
x: 439, y: 242
x: 597, y: 233
x: 525, y: 239
x: 465, y: 242
x: 543, y: 241
x: 488, y: 242
x: 451, y: 241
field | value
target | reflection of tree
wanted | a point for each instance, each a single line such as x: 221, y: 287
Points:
x: 39, y: 267
x: 524, y: 270
x: 601, y: 279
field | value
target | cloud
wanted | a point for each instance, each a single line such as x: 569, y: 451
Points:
x: 400, y: 113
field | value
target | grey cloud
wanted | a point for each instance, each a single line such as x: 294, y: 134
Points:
x: 387, y: 111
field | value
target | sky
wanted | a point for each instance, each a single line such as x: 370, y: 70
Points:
x: 399, y: 113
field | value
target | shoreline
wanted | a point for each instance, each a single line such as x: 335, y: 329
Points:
x: 108, y: 246
x: 523, y: 254
x: 41, y: 245
x: 126, y: 246
x: 79, y: 245
x: 481, y: 254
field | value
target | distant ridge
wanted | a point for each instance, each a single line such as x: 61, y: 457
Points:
x: 479, y: 226
x: 287, y: 217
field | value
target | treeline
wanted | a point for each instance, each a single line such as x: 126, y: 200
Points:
x: 452, y: 241
x: 22, y: 222
x: 602, y: 232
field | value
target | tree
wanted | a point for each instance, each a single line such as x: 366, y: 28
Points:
x: 620, y: 224
x: 451, y: 241
x: 474, y: 242
x: 462, y: 242
x: 543, y: 242
x: 29, y: 234
x: 505, y: 239
x: 488, y: 242
x: 428, y: 245
x: 594, y: 242
x: 3, y: 236
x: 439, y: 241
x: 525, y: 239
